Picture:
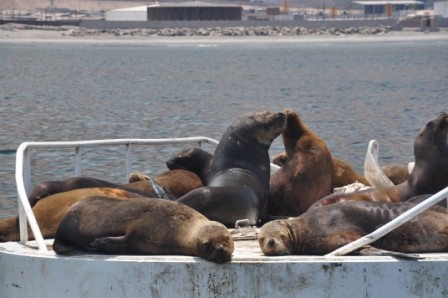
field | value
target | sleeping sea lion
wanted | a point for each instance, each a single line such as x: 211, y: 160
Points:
x: 142, y: 227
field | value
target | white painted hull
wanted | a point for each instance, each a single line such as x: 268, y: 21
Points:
x: 25, y: 272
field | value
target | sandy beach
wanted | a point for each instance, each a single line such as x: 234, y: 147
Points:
x: 20, y: 34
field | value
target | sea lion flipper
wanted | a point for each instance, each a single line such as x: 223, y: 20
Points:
x: 373, y: 251
x: 109, y: 244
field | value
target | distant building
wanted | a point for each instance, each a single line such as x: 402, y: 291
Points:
x: 138, y: 13
x: 388, y: 8
x: 194, y: 11
x: 179, y: 11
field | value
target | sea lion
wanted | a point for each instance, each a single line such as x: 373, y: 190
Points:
x: 306, y: 174
x: 429, y: 175
x: 397, y: 173
x: 178, y: 181
x: 195, y: 160
x: 322, y: 230
x: 143, y: 227
x: 50, y: 210
x: 343, y: 173
x: 240, y: 167
x: 172, y: 184
x: 47, y: 188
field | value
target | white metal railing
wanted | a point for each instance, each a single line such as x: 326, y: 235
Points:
x: 23, y: 171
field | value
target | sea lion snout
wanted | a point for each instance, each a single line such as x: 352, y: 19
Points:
x: 274, y: 239
x: 273, y: 247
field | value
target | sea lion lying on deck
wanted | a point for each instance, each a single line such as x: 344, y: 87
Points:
x: 142, y: 227
x: 429, y: 175
x: 173, y: 183
x: 240, y: 170
x: 50, y: 210
x: 322, y: 230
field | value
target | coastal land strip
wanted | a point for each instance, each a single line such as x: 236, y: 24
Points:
x: 14, y: 33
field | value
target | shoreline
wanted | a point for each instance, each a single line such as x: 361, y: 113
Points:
x: 66, y: 34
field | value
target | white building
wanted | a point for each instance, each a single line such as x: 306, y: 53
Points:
x: 138, y: 13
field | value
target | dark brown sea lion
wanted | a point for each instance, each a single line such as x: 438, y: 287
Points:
x: 195, y: 160
x: 173, y: 184
x: 322, y: 230
x: 430, y: 173
x: 48, y: 188
x: 50, y: 210
x: 143, y: 227
x: 240, y: 171
x: 306, y: 174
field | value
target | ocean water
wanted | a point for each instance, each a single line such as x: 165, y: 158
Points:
x: 348, y: 93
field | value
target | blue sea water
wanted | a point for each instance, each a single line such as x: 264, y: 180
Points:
x: 348, y: 93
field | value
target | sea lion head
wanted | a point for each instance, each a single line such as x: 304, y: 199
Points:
x: 263, y: 126
x: 275, y: 238
x: 189, y: 159
x: 432, y: 139
x: 214, y: 243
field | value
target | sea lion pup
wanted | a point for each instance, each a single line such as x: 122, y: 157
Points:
x: 142, y: 227
x: 322, y: 230
x: 306, y: 174
x: 430, y: 173
x: 240, y: 171
x: 195, y: 160
x: 50, y: 210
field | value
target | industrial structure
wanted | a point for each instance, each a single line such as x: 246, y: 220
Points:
x: 388, y: 7
x: 181, y: 11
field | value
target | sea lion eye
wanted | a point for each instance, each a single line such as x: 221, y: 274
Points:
x: 284, y: 238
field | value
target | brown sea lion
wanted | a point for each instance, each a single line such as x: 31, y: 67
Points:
x: 397, y: 173
x: 320, y: 231
x: 142, y: 227
x: 239, y: 174
x: 343, y: 173
x: 306, y: 174
x: 195, y: 160
x: 176, y: 182
x: 50, y: 210
x: 179, y: 182
x: 173, y: 184
x: 429, y: 175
